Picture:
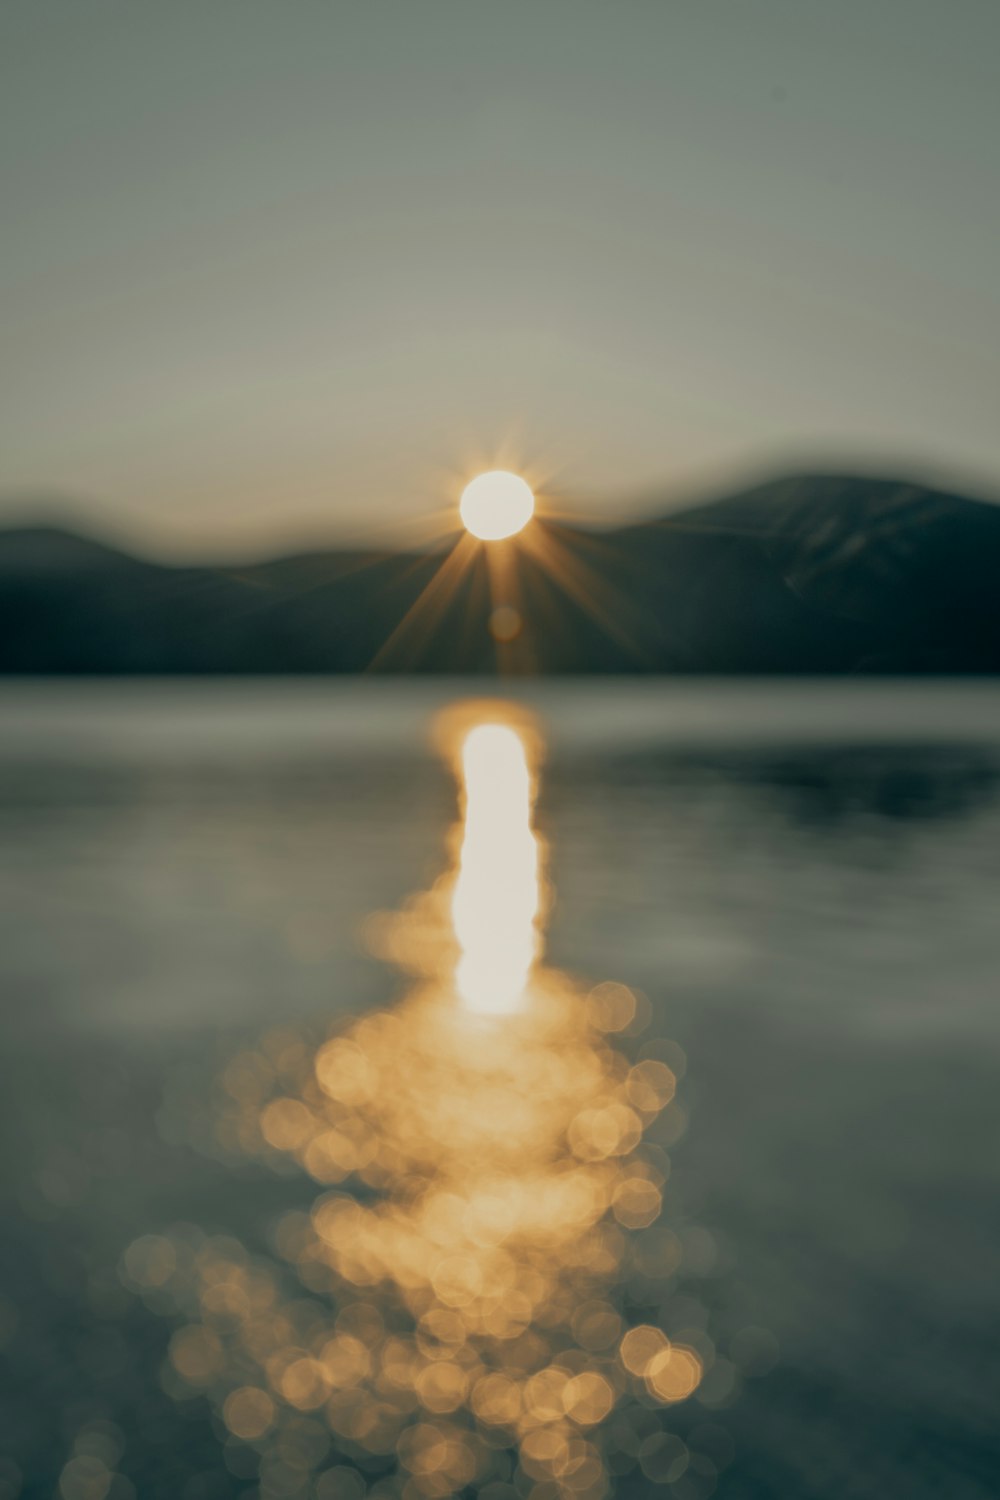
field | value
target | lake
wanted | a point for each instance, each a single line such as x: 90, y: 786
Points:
x: 800, y: 882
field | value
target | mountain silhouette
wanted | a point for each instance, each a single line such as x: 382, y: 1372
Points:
x: 808, y: 574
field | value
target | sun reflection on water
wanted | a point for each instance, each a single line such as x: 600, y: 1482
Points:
x: 496, y: 895
x: 456, y: 1309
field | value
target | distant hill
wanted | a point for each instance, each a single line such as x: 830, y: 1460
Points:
x: 809, y: 574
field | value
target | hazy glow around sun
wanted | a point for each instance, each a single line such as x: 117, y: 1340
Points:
x: 496, y: 505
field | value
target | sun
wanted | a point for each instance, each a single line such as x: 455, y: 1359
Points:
x: 496, y: 505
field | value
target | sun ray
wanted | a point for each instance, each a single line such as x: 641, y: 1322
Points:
x: 426, y: 610
x: 583, y: 585
x: 517, y: 652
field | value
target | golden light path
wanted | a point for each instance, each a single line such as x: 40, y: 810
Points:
x: 497, y: 504
x: 474, y: 1297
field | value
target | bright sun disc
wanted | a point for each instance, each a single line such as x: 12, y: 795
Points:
x: 496, y: 505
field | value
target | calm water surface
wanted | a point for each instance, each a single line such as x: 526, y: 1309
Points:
x: 804, y: 882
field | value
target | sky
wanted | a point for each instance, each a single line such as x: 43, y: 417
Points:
x: 284, y: 271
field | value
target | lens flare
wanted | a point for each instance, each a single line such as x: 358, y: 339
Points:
x: 495, y: 903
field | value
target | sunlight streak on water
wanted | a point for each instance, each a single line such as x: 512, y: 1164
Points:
x: 496, y: 898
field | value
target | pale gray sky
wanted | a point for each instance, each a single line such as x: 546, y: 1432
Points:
x: 287, y: 269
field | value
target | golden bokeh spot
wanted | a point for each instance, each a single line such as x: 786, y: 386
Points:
x: 496, y: 1399
x: 225, y: 1299
x: 596, y: 1325
x: 457, y: 1279
x: 442, y: 1387
x: 305, y: 1383
x: 640, y: 1345
x: 361, y: 1320
x: 588, y: 1398
x: 196, y: 1354
x: 150, y: 1260
x: 610, y: 1130
x: 612, y: 1006
x: 84, y: 1477
x: 673, y: 1374
x: 650, y: 1086
x: 544, y: 1395
x: 344, y: 1071
x: 440, y: 1326
x: 637, y: 1202
x: 345, y: 1360
x: 248, y: 1412
x: 340, y: 1483
x: 286, y: 1123
x: 544, y: 1451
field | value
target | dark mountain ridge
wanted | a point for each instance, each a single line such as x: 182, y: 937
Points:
x: 808, y: 574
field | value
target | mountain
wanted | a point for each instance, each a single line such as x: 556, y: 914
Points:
x: 809, y: 574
